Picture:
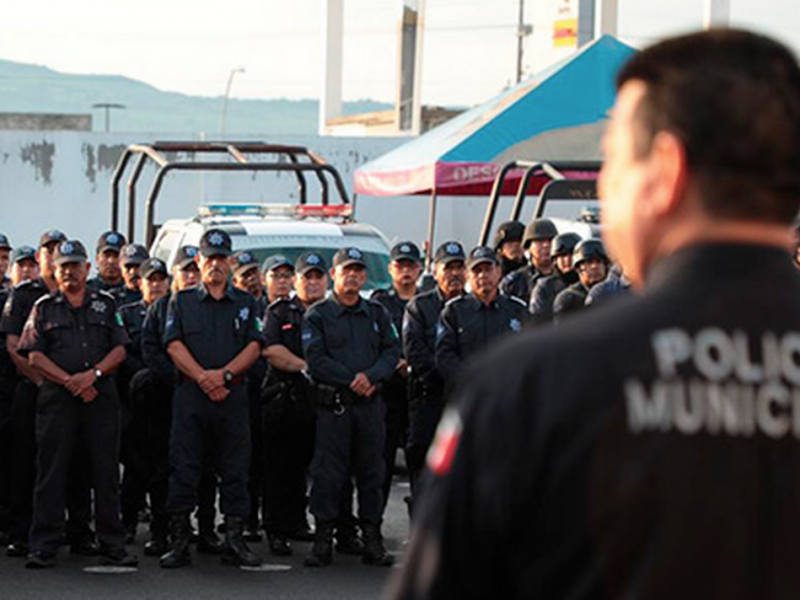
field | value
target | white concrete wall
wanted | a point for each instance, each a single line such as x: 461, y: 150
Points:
x: 62, y: 179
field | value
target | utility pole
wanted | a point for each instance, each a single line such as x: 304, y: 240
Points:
x: 108, y: 106
x: 523, y: 31
x: 224, y: 116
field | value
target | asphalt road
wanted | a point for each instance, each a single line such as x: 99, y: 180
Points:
x: 282, y: 578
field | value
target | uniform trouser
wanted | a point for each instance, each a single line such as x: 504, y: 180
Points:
x: 288, y: 450
x: 256, y: 485
x: 133, y: 453
x: 395, y: 393
x: 424, y: 412
x: 351, y: 442
x: 197, y: 425
x: 6, y: 449
x: 151, y: 419
x: 23, y: 472
x: 62, y: 421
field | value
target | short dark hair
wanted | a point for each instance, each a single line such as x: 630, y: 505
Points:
x: 733, y: 98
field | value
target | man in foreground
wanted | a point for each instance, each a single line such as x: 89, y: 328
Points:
x: 648, y: 449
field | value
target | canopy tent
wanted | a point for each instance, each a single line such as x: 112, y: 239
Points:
x: 557, y: 115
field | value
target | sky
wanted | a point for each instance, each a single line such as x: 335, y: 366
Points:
x: 191, y: 47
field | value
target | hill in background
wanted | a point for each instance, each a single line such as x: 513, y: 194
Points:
x: 26, y: 88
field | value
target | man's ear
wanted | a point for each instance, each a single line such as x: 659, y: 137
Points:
x: 668, y: 175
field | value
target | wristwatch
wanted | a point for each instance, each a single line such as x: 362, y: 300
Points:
x: 228, y: 376
x: 98, y: 373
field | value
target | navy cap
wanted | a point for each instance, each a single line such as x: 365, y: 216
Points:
x: 24, y: 253
x: 133, y: 254
x: 215, y: 242
x: 481, y: 254
x: 448, y: 252
x: 276, y: 261
x: 185, y: 256
x: 349, y: 256
x: 152, y: 266
x: 405, y: 251
x: 50, y: 236
x: 111, y: 240
x: 70, y: 251
x: 4, y: 243
x: 309, y: 261
x: 244, y: 261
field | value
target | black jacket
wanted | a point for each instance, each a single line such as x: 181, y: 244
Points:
x: 645, y: 449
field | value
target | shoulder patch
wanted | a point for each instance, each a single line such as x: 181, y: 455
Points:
x: 443, y: 449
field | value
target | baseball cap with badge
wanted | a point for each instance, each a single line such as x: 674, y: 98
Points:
x: 448, y: 252
x: 310, y: 261
x: 110, y: 241
x: 4, y: 243
x: 133, y: 254
x: 71, y: 251
x: 152, y: 266
x: 52, y: 236
x: 244, y: 261
x: 480, y: 255
x: 185, y: 256
x: 405, y: 251
x: 349, y: 256
x: 215, y: 242
x: 24, y: 253
x: 276, y: 261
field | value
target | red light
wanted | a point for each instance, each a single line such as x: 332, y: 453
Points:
x: 324, y: 210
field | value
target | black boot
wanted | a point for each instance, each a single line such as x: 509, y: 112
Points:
x: 236, y: 552
x: 208, y: 541
x: 279, y: 544
x: 322, y: 551
x: 374, y: 552
x: 347, y: 539
x: 159, y: 536
x: 179, y: 555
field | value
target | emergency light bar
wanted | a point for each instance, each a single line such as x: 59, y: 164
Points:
x: 343, y: 211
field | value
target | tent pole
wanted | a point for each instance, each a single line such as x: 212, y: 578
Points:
x: 431, y: 231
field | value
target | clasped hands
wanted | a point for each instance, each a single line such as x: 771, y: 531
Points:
x: 213, y: 384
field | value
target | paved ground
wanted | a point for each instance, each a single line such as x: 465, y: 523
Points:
x: 207, y: 579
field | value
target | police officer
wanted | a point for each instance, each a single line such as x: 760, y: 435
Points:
x: 185, y: 271
x: 676, y: 431
x: 591, y: 264
x: 508, y: 244
x: 352, y: 349
x: 246, y: 277
x: 109, y: 273
x: 278, y: 276
x: 15, y: 313
x: 8, y: 383
x: 5, y: 261
x: 213, y: 337
x: 131, y: 258
x: 426, y: 388
x: 405, y: 264
x: 537, y: 241
x: 160, y: 388
x: 136, y: 383
x: 470, y: 323
x: 547, y: 288
x: 74, y: 339
x: 25, y: 268
x: 616, y: 285
x: 289, y: 411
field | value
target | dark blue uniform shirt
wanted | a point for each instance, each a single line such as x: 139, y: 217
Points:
x: 419, y: 331
x: 342, y: 341
x: 214, y: 331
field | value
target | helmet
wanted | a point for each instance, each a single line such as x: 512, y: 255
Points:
x: 564, y: 243
x: 509, y: 231
x: 539, y: 229
x: 588, y: 249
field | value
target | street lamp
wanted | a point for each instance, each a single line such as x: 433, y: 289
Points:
x: 225, y: 100
x: 108, y: 106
